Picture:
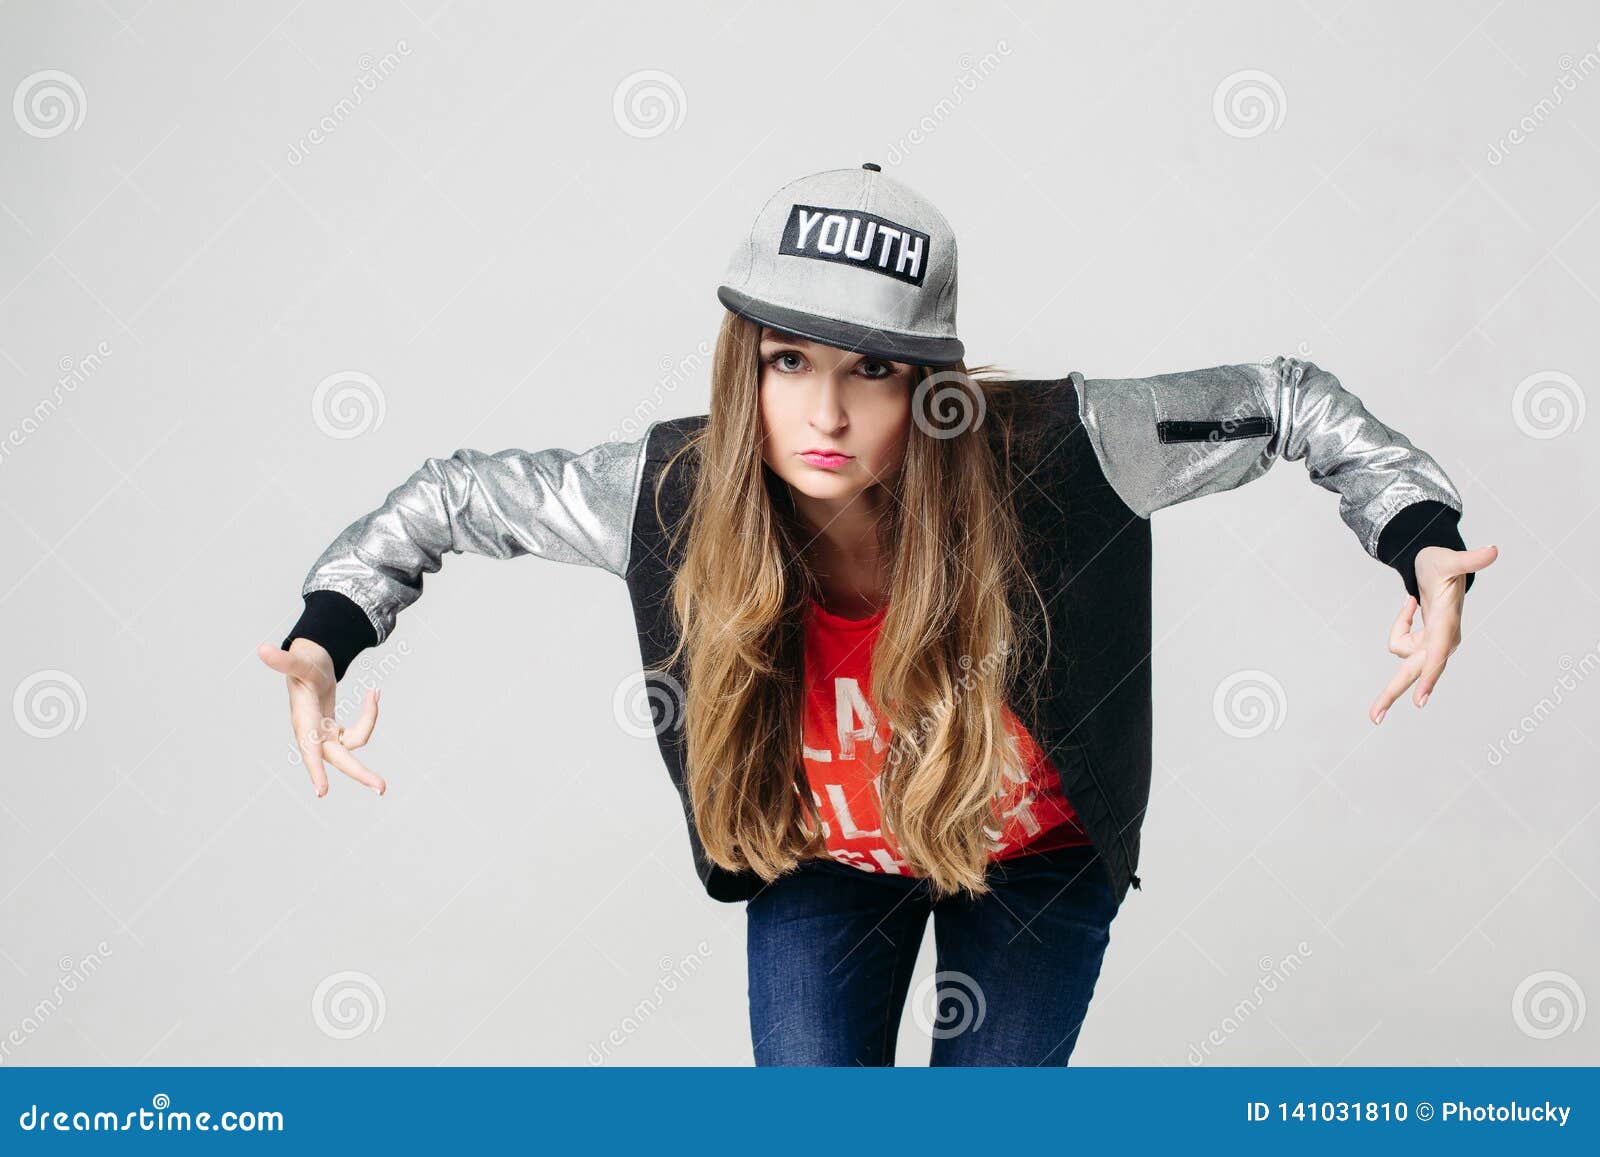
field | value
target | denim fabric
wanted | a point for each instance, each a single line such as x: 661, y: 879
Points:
x: 832, y: 948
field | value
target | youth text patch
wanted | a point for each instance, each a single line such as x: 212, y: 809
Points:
x: 856, y: 238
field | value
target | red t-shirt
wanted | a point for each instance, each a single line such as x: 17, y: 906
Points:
x: 846, y: 743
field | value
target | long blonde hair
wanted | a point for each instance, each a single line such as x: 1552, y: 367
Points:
x: 942, y: 663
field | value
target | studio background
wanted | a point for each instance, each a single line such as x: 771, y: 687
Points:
x: 258, y: 262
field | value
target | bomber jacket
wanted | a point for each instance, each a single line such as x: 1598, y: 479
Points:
x: 1090, y: 460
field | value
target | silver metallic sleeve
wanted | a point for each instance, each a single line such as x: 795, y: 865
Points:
x: 558, y: 504
x: 1165, y: 439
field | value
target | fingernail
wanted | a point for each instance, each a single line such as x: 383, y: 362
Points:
x: 1423, y: 702
x: 1381, y: 714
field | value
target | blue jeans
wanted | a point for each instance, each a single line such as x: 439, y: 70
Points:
x: 832, y: 949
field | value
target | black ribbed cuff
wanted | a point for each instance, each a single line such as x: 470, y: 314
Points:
x: 1413, y: 528
x: 338, y: 624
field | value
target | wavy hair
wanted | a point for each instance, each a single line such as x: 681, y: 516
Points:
x: 945, y: 654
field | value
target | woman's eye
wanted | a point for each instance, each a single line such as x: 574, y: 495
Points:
x: 868, y: 368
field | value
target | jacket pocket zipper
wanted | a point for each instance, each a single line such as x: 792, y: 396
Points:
x: 1218, y: 430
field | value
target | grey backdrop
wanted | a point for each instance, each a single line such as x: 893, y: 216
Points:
x: 259, y: 263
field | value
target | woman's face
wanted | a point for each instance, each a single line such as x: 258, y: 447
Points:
x: 815, y: 397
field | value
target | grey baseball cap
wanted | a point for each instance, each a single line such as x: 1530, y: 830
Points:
x: 854, y: 259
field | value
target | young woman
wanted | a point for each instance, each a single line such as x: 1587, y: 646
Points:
x: 894, y: 619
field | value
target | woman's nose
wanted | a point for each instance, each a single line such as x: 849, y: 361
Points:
x: 827, y: 412
x: 827, y: 408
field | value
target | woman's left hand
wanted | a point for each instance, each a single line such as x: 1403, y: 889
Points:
x: 1442, y: 582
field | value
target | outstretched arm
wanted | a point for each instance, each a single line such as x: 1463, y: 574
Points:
x: 557, y: 504
x: 1165, y: 439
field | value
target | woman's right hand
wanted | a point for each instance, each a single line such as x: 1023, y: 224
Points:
x: 308, y: 669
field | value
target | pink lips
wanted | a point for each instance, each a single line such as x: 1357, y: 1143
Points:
x: 825, y: 460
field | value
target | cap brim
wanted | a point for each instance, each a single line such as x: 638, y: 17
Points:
x: 862, y: 339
